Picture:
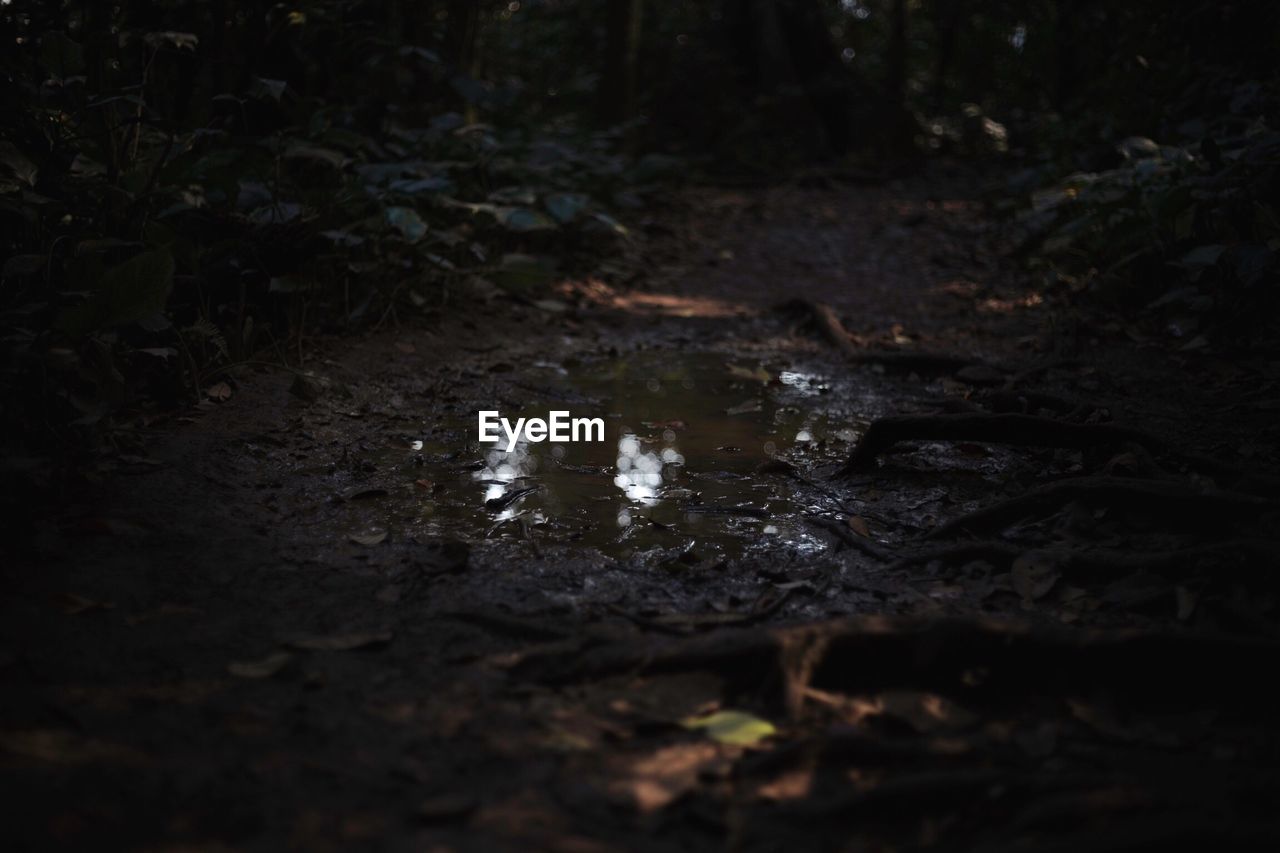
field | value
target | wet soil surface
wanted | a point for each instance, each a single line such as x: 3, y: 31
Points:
x: 321, y: 615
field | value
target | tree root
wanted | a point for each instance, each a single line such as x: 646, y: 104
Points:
x: 1168, y: 497
x: 1000, y: 428
x: 847, y: 537
x: 1030, y: 430
x: 824, y: 317
x: 1238, y: 558
x: 1014, y: 658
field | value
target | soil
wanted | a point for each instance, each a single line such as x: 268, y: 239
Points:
x: 318, y: 614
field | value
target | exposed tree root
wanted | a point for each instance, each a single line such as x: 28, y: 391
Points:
x: 1013, y: 658
x: 999, y: 428
x: 1030, y: 430
x: 847, y: 537
x: 1237, y: 558
x: 824, y: 317
x: 1172, y: 498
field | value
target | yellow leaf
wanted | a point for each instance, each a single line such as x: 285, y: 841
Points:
x: 737, y: 728
x: 759, y: 374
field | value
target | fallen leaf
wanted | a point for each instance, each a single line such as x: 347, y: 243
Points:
x: 74, y: 605
x: 736, y: 728
x: 218, y: 392
x: 980, y: 374
x: 1033, y: 575
x: 365, y: 493
x: 63, y: 747
x: 1187, y: 601
x: 858, y: 525
x: 759, y: 374
x: 445, y: 807
x: 264, y: 668
x: 342, y: 642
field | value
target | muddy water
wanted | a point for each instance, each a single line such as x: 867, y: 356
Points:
x: 678, y: 476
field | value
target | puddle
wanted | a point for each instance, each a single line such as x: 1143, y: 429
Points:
x: 675, y: 478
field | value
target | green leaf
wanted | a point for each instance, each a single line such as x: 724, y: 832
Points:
x: 265, y: 89
x: 736, y: 728
x: 522, y: 272
x: 523, y: 219
x: 407, y: 221
x: 181, y: 41
x: 133, y: 291
x: 1200, y: 259
x: 18, y: 163
x: 565, y: 207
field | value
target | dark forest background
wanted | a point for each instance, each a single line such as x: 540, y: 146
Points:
x: 188, y: 187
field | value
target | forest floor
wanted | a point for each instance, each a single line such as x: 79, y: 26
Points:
x: 1038, y: 613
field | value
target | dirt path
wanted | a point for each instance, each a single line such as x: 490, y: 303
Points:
x: 317, y: 616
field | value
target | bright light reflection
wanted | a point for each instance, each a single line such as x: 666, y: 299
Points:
x: 502, y: 471
x: 640, y: 471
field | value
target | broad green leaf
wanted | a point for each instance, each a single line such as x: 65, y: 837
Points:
x: 736, y: 728
x: 407, y: 221
x: 181, y: 41
x: 565, y: 207
x: 18, y: 163
x: 267, y: 90
x: 316, y: 154
x: 520, y: 272
x: 523, y: 219
x: 133, y: 291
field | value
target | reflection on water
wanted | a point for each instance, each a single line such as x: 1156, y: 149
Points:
x: 504, y: 469
x: 679, y: 472
x: 640, y: 470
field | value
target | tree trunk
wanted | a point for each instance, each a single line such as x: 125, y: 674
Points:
x: 951, y: 14
x: 897, y: 130
x: 619, y: 87
x: 460, y: 45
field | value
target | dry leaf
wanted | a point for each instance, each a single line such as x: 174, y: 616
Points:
x: 264, y: 668
x: 759, y: 374
x: 74, y: 605
x: 218, y: 392
x: 1033, y: 575
x: 370, y: 538
x: 1187, y: 601
x: 858, y: 525
x: 63, y: 747
x: 746, y: 407
x: 736, y: 728
x: 342, y: 642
